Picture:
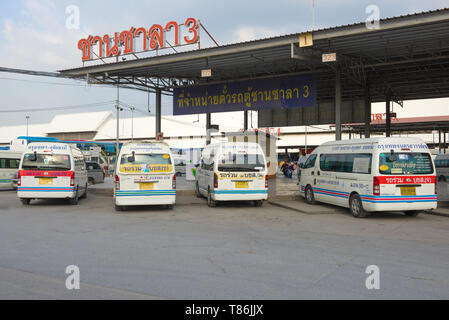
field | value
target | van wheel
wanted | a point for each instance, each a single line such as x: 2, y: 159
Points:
x: 356, y: 207
x: 118, y: 208
x: 442, y: 179
x: 84, y: 196
x: 412, y: 213
x: 258, y: 203
x: 74, y: 201
x: 211, y: 203
x: 25, y: 202
x: 91, y: 181
x: 170, y: 206
x: 310, y: 198
x: 197, y: 190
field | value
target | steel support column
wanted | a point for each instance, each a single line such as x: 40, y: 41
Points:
x: 367, y: 111
x: 337, y: 104
x: 245, y: 120
x: 208, y: 121
x: 388, y: 116
x: 158, y: 111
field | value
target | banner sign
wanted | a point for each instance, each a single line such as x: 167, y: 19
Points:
x: 258, y: 94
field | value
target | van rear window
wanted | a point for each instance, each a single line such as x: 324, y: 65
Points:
x: 233, y: 162
x: 146, y: 158
x: 405, y: 163
x: 46, y: 162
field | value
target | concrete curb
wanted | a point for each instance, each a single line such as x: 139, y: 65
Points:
x: 439, y: 213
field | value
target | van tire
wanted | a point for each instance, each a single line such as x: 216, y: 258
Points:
x: 84, y: 196
x: 170, y: 206
x: 25, y: 201
x: 197, y: 190
x: 310, y: 198
x: 211, y: 203
x: 412, y: 213
x: 90, y: 181
x: 118, y: 208
x: 74, y: 201
x: 356, y: 207
x: 258, y: 203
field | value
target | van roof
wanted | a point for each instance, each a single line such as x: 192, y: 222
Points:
x: 375, y: 140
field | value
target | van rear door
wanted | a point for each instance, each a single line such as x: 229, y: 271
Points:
x: 152, y: 172
x: 46, y: 172
x: 409, y: 175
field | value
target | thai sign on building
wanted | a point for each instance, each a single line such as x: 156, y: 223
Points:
x: 126, y: 42
x: 258, y: 94
x: 351, y: 112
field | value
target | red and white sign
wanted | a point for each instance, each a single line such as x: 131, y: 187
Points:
x: 407, y: 179
x: 152, y: 39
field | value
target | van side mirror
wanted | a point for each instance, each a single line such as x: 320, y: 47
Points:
x: 197, y: 165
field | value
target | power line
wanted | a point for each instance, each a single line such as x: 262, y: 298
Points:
x: 96, y: 104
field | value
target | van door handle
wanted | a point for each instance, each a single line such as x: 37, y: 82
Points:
x: 312, y: 173
x: 318, y: 173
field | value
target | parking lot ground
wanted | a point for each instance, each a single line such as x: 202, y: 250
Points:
x: 233, y: 251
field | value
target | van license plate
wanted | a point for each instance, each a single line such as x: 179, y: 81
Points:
x: 146, y: 185
x: 408, y: 191
x: 241, y: 184
x: 45, y: 181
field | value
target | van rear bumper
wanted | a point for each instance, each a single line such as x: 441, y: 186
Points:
x: 49, y: 194
x: 123, y: 198
x: 239, y: 195
x: 399, y: 205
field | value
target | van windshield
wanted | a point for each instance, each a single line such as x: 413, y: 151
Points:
x: 46, y: 162
x: 405, y: 163
x: 146, y: 158
x: 232, y: 162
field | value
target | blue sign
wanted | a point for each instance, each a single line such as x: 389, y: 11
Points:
x: 270, y: 93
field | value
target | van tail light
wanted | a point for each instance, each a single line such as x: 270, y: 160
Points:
x: 173, y: 184
x: 215, y: 180
x: 117, y: 182
x: 72, y: 178
x: 376, y: 186
x: 435, y: 184
x: 19, y: 178
x: 266, y: 181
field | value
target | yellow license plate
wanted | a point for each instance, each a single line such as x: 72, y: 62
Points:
x: 241, y: 184
x: 45, y: 181
x: 408, y: 191
x: 146, y: 185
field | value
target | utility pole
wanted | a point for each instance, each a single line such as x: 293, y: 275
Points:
x: 118, y: 124
x: 27, y: 117
x: 132, y: 123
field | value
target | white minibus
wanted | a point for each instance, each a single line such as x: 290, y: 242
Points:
x: 145, y: 175
x: 230, y: 171
x: 368, y: 175
x: 52, y: 170
x: 9, y: 169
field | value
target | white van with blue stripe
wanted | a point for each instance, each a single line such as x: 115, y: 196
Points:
x: 144, y: 175
x: 230, y: 171
x: 369, y: 175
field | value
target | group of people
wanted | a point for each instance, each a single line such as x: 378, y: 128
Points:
x: 288, y: 167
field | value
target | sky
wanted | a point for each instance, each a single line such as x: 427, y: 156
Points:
x: 33, y: 35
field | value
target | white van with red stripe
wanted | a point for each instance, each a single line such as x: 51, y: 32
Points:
x: 230, y: 171
x: 52, y: 170
x: 369, y: 175
x: 145, y: 175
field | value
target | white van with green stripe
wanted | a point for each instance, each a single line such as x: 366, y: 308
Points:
x: 144, y: 175
x: 230, y: 171
x: 9, y: 168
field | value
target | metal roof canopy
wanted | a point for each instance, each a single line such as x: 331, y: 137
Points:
x: 406, y: 58
x: 403, y: 125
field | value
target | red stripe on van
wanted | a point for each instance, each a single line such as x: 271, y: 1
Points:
x: 43, y: 173
x: 406, y: 179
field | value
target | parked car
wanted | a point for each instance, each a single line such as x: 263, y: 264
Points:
x: 442, y: 167
x: 95, y: 173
